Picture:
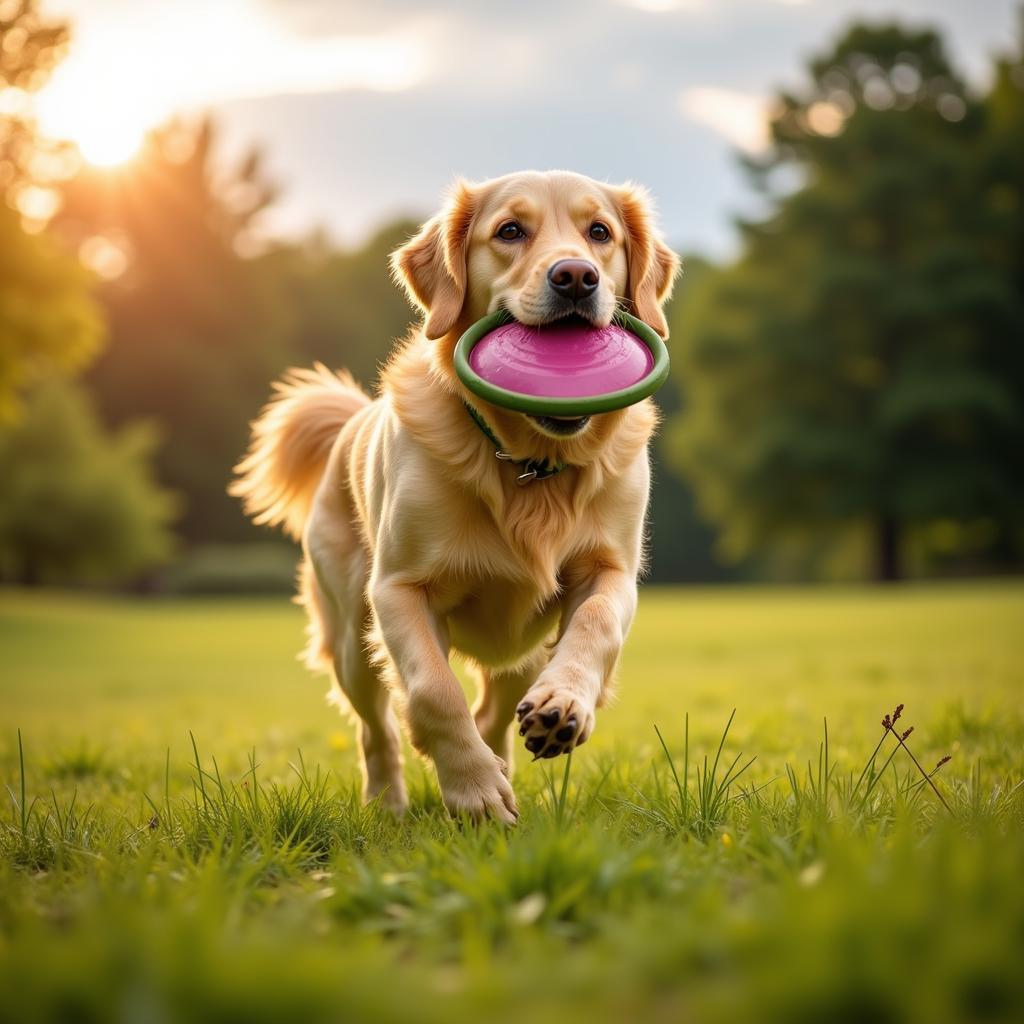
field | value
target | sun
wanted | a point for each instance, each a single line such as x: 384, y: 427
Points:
x: 104, y: 114
x: 108, y: 145
x: 123, y: 76
x: 106, y: 134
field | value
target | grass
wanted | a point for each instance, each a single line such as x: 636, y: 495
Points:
x: 183, y: 839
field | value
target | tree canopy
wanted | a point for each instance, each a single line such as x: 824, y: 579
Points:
x: 196, y: 332
x: 79, y: 504
x: 858, y: 368
x: 49, y: 321
x: 31, y: 46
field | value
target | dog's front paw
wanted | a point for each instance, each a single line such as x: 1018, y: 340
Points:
x: 554, y: 718
x: 474, y: 782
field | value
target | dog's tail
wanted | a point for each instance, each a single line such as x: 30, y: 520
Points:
x: 290, y: 442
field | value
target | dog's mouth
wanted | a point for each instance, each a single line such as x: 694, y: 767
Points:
x: 576, y: 316
x: 561, y: 426
x: 569, y: 320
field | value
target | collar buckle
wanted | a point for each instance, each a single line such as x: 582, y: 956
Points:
x: 534, y: 470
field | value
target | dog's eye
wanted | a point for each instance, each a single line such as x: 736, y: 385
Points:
x: 599, y: 232
x: 510, y: 231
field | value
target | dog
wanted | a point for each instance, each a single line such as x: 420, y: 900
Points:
x: 417, y: 541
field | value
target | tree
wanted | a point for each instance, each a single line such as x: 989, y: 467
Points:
x: 79, y: 505
x: 852, y: 369
x: 680, y: 543
x: 1000, y: 183
x: 30, y: 48
x: 347, y: 311
x: 48, y: 319
x: 197, y: 332
x: 76, y: 504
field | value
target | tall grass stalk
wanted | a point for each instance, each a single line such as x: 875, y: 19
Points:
x: 713, y: 791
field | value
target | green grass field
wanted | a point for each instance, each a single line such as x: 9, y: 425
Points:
x: 644, y: 884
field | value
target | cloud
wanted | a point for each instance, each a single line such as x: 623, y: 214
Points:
x: 602, y: 86
x: 666, y: 6
x: 143, y: 62
x: 740, y: 117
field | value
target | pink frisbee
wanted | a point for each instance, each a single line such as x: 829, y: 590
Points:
x: 561, y: 369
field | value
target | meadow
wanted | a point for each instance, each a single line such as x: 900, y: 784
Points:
x: 182, y: 837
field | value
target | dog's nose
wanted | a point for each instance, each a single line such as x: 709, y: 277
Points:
x: 574, y: 279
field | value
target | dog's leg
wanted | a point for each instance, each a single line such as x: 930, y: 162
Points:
x: 332, y: 591
x: 379, y: 738
x: 472, y: 778
x: 500, y: 691
x: 557, y: 712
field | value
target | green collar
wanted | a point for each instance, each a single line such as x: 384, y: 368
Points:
x: 533, y: 469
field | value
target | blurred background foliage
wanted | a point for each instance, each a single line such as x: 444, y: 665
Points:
x: 856, y: 378
x: 79, y: 502
x: 848, y: 392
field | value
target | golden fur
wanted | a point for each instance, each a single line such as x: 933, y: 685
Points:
x: 418, y: 541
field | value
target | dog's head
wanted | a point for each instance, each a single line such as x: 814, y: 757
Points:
x: 544, y: 247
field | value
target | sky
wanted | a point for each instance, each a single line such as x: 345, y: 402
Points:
x: 366, y: 110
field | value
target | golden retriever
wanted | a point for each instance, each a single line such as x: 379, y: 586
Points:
x: 419, y: 541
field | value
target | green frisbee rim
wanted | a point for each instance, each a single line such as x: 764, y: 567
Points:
x: 578, y: 406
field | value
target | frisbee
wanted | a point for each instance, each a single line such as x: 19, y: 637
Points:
x: 561, y: 369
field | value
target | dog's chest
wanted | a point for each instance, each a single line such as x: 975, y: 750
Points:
x: 525, y: 539
x: 497, y: 576
x: 498, y: 621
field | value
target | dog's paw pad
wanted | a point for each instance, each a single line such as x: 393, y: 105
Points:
x: 567, y: 732
x: 535, y: 744
x: 524, y: 709
x: 555, y: 721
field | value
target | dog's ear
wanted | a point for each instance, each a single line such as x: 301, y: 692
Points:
x: 652, y: 264
x: 431, y: 266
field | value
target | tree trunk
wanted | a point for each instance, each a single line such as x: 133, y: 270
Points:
x: 887, y: 551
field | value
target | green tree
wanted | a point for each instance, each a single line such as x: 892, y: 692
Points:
x: 76, y: 504
x: 197, y: 330
x: 680, y: 546
x: 347, y: 311
x: 852, y: 370
x: 79, y: 505
x: 48, y: 319
x: 1000, y: 186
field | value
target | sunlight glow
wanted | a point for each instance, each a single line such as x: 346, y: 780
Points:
x: 90, y: 107
x: 666, y: 6
x: 740, y: 117
x: 106, y: 257
x: 36, y: 203
x: 825, y: 118
x: 105, y: 136
x: 133, y: 66
x: 105, y: 148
